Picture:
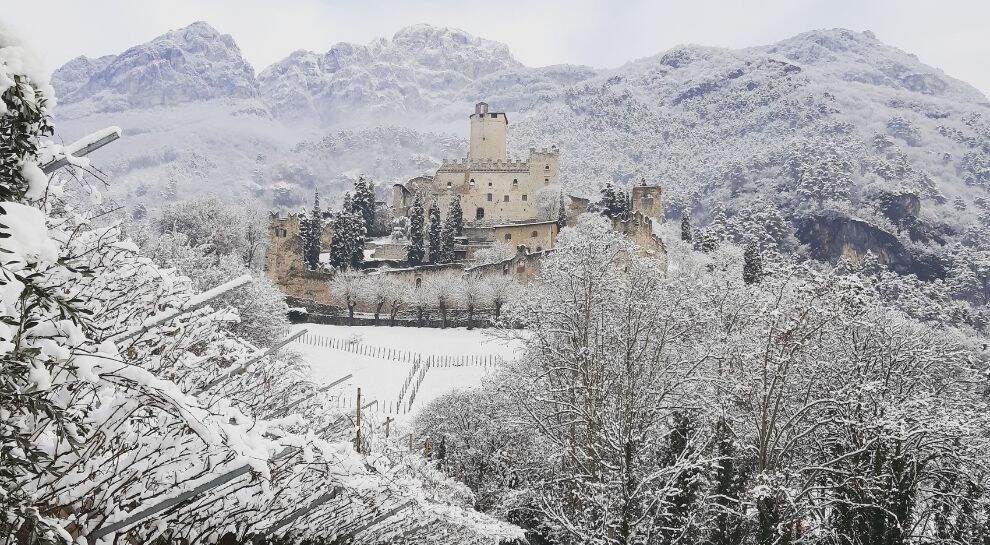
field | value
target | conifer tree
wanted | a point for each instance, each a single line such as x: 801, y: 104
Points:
x: 562, y: 213
x: 446, y: 253
x: 359, y: 233
x: 311, y: 231
x: 456, y: 215
x: 685, y: 228
x: 752, y: 263
x: 417, y: 252
x: 363, y: 202
x: 436, y: 232
x: 613, y: 203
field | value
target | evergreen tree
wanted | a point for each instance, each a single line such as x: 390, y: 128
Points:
x: 446, y: 253
x: 416, y: 253
x: 752, y: 263
x: 359, y: 233
x: 685, y: 228
x: 311, y: 232
x: 339, y: 251
x: 363, y: 202
x: 435, y: 233
x: 562, y: 213
x: 613, y: 203
x: 348, y: 205
x: 456, y: 215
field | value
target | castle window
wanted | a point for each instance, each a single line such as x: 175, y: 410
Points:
x: 479, y: 214
x: 419, y: 281
x: 489, y: 184
x: 449, y: 185
x: 472, y: 181
x: 493, y: 115
x: 489, y: 197
x: 546, y: 167
x: 534, y: 234
x: 515, y: 183
x: 525, y: 198
x: 508, y: 237
x: 505, y: 198
x: 546, y: 180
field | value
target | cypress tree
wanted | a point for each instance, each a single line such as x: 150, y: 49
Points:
x: 417, y: 252
x: 363, y: 202
x: 311, y: 234
x: 436, y: 232
x: 456, y: 215
x: 562, y: 213
x: 359, y: 232
x: 446, y: 254
x: 685, y: 228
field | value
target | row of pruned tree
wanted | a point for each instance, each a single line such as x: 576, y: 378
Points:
x: 387, y: 294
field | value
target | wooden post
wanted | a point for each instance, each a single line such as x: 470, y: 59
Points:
x: 358, y: 440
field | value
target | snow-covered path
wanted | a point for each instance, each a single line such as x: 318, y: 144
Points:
x: 382, y: 379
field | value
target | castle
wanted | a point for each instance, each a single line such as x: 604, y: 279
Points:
x: 503, y: 200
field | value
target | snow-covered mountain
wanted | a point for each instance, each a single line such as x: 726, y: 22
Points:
x: 719, y: 128
x: 191, y: 64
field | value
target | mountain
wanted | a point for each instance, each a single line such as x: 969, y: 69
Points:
x: 191, y: 64
x: 781, y: 127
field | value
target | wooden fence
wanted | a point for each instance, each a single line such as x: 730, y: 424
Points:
x: 395, y: 354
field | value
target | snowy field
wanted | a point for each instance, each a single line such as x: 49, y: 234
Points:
x: 389, y: 364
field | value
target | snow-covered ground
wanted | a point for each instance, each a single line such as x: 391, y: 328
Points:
x: 382, y: 379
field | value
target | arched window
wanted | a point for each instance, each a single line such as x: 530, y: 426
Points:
x: 515, y: 183
x: 419, y: 281
x: 534, y: 234
x: 508, y: 237
x: 479, y: 214
x: 546, y: 167
x: 449, y: 184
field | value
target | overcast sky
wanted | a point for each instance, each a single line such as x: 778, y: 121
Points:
x: 950, y: 34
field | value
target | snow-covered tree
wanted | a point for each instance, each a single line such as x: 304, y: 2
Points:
x: 456, y: 216
x: 752, y: 263
x: 347, y: 241
x: 363, y: 202
x: 444, y: 291
x: 685, y: 228
x: 447, y: 239
x: 347, y: 288
x: 312, y: 233
x: 435, y: 233
x: 417, y: 250
x: 476, y: 295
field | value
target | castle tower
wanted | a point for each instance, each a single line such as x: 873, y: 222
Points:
x: 646, y: 199
x: 487, y: 134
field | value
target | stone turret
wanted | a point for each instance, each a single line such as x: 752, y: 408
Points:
x: 646, y: 199
x: 488, y: 130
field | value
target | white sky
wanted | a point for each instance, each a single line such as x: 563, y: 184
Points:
x: 953, y: 35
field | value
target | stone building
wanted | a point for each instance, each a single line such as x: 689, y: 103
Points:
x: 284, y: 264
x: 493, y: 188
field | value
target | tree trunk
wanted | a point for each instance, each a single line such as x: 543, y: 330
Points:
x: 419, y: 316
x: 391, y: 316
x: 470, y: 324
x: 498, y: 310
x: 443, y: 316
x: 350, y: 314
x: 378, y: 310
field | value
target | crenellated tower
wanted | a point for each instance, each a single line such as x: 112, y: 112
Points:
x: 488, y: 130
